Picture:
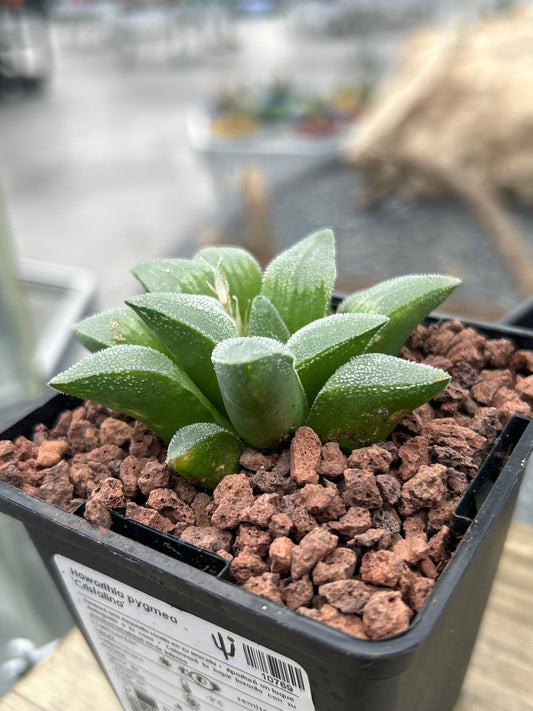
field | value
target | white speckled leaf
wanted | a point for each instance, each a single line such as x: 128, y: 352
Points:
x: 262, y: 392
x: 205, y: 453
x: 190, y: 325
x: 241, y: 270
x: 299, y: 281
x: 365, y: 399
x: 115, y: 327
x: 324, y: 345
x: 175, y: 275
x: 140, y: 382
x: 264, y: 320
x: 406, y: 300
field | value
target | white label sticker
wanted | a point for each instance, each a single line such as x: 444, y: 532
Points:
x: 159, y: 658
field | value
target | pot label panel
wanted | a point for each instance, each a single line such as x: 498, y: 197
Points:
x: 159, y: 658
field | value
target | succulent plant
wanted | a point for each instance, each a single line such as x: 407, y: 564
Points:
x: 217, y: 356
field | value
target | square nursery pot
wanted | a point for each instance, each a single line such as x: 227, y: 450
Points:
x: 172, y: 631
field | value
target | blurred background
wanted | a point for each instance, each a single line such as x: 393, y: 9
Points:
x: 136, y: 129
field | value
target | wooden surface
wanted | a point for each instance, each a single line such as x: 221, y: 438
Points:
x: 500, y: 676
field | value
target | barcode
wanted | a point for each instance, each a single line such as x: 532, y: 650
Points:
x: 278, y: 668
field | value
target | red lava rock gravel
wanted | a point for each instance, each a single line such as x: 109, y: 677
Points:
x: 355, y: 540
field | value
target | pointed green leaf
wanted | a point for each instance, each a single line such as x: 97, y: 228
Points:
x: 241, y: 270
x: 261, y: 389
x: 406, y: 300
x: 264, y: 320
x: 299, y: 281
x: 174, y: 275
x: 204, y: 453
x: 190, y: 325
x: 115, y: 327
x: 324, y: 345
x: 140, y: 382
x: 365, y: 399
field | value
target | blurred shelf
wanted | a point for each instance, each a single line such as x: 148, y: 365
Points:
x: 57, y: 297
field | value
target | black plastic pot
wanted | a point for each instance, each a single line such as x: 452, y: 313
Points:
x: 521, y: 316
x: 173, y: 632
